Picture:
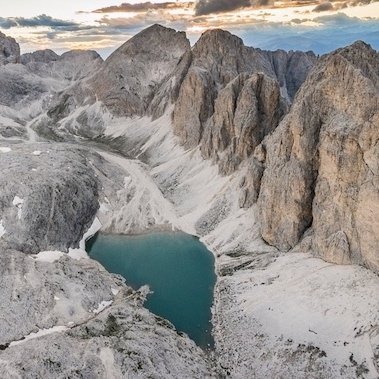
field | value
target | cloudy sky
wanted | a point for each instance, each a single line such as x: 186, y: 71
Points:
x: 103, y: 25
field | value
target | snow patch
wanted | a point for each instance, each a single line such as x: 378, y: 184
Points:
x: 2, y: 229
x: 115, y: 291
x: 48, y: 256
x: 127, y: 181
x: 81, y: 252
x: 17, y: 202
x: 5, y: 149
x: 104, y: 304
x: 37, y: 153
x: 40, y: 333
x: 298, y: 300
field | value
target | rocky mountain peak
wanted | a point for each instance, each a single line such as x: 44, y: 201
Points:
x: 143, y: 75
x: 225, y: 56
x: 9, y: 50
x: 363, y: 57
x: 44, y: 56
x: 155, y: 41
x: 81, y: 54
x: 217, y: 41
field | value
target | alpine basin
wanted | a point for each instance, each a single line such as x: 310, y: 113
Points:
x: 178, y: 269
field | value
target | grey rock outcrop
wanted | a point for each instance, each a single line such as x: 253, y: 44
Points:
x: 48, y: 197
x: 36, y: 294
x: 78, y: 339
x: 18, y: 86
x: 125, y: 340
x: 9, y: 50
x: 322, y: 162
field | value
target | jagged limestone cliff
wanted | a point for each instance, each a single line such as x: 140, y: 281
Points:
x: 227, y: 97
x: 322, y: 162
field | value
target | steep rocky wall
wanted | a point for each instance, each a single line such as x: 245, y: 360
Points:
x: 322, y: 162
x: 225, y: 111
x: 246, y: 110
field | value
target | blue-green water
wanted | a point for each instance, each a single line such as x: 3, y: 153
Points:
x: 178, y: 268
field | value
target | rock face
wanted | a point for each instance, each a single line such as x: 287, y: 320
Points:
x: 48, y: 197
x: 143, y: 75
x: 9, y: 50
x: 222, y: 105
x: 246, y: 110
x: 291, y: 69
x: 322, y: 162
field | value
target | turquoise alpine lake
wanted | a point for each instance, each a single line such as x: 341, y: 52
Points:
x: 178, y: 269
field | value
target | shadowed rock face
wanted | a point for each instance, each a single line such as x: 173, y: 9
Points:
x: 291, y: 69
x: 9, y: 50
x: 322, y: 162
x: 246, y: 110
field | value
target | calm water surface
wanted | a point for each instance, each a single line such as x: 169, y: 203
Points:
x: 178, y: 268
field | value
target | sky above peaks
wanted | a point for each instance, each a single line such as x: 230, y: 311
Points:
x: 103, y: 25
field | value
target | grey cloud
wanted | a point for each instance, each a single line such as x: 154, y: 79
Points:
x: 41, y: 20
x: 143, y: 7
x: 205, y: 7
x: 7, y: 23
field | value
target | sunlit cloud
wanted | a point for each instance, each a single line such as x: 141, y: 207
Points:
x: 290, y: 24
